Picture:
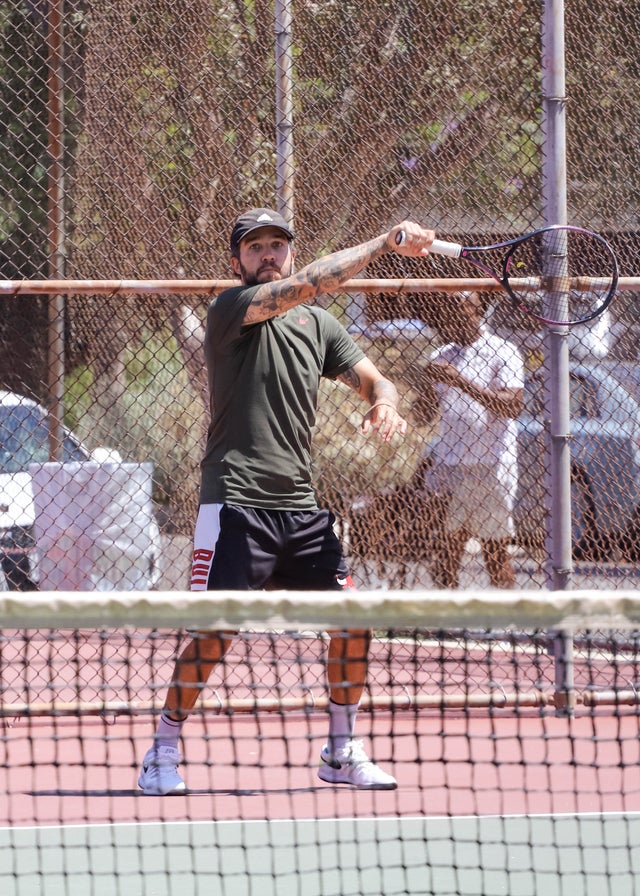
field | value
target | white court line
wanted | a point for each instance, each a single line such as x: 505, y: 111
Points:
x: 330, y: 818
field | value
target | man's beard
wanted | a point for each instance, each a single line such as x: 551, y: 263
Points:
x: 261, y: 276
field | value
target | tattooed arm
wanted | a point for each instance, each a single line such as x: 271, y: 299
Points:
x: 382, y: 417
x: 327, y: 274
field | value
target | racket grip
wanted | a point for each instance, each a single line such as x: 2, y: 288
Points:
x: 438, y: 247
x: 441, y: 247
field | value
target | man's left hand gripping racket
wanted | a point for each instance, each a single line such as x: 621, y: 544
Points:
x: 561, y: 275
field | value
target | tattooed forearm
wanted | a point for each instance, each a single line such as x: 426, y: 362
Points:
x: 380, y: 391
x: 384, y: 392
x: 351, y: 378
x: 275, y: 298
x: 327, y: 274
x: 323, y: 275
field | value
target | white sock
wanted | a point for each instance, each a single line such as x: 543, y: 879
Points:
x: 342, y: 721
x: 168, y: 732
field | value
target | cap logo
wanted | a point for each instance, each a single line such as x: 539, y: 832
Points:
x: 264, y: 217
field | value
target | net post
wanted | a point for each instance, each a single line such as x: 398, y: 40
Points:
x: 564, y: 697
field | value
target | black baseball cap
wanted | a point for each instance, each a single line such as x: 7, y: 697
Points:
x: 254, y: 219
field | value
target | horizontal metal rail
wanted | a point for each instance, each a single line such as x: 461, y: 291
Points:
x: 213, y: 287
x: 494, y: 699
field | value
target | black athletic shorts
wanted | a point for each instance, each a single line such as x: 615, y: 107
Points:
x: 249, y: 549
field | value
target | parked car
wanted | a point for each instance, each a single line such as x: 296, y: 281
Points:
x: 627, y: 373
x: 605, y: 463
x: 24, y: 440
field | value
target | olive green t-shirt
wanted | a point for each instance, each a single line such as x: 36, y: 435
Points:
x: 263, y: 385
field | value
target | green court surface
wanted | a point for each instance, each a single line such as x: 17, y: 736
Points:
x: 559, y: 855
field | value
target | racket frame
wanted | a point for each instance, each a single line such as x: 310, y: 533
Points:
x: 456, y: 250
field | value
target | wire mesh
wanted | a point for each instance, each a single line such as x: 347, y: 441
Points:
x: 166, y: 125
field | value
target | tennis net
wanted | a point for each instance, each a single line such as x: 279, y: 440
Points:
x: 510, y: 721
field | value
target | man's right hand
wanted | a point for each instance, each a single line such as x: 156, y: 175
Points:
x: 416, y: 240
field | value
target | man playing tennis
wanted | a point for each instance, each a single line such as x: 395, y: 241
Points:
x: 259, y: 525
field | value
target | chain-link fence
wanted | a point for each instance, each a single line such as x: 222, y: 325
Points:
x: 134, y: 133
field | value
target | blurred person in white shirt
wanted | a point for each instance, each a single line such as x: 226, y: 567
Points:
x: 474, y: 385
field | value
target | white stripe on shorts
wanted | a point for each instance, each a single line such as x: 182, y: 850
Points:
x: 205, y: 539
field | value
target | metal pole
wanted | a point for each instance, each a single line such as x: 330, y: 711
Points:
x: 565, y: 695
x: 284, y: 110
x: 554, y: 198
x: 56, y: 226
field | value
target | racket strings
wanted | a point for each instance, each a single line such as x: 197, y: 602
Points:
x: 562, y: 275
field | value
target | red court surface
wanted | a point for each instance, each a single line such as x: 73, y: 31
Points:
x: 492, y: 800
x: 457, y: 764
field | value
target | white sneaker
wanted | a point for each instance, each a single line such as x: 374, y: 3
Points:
x: 159, y: 775
x: 351, y: 765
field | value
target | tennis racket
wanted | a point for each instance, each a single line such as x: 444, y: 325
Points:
x: 561, y: 275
